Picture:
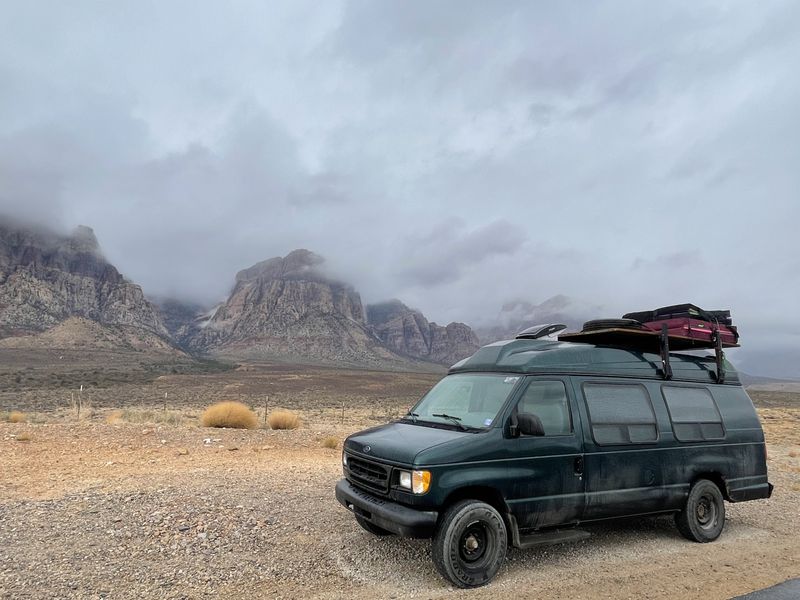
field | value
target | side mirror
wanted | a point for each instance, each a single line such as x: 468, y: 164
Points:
x: 530, y: 424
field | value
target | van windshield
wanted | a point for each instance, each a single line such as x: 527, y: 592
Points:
x: 465, y: 400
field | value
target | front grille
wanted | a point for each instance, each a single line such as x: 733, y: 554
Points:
x: 367, y: 474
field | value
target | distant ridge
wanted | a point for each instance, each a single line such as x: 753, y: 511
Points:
x: 60, y: 283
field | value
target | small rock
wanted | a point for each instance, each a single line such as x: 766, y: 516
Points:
x: 182, y: 452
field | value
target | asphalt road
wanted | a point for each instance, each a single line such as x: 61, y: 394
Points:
x: 788, y: 590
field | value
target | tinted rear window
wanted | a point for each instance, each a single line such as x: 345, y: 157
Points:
x: 693, y: 412
x: 620, y: 413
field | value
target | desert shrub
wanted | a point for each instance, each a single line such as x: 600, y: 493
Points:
x: 283, y: 419
x: 24, y: 437
x: 165, y: 417
x: 330, y: 442
x: 16, y: 416
x: 229, y: 414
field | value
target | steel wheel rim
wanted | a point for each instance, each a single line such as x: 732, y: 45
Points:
x: 706, y: 512
x: 473, y: 542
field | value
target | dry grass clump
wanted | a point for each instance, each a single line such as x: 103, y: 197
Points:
x: 794, y: 453
x: 229, y: 414
x: 162, y: 417
x: 16, y: 416
x: 330, y: 442
x: 114, y: 417
x: 24, y: 437
x: 283, y: 419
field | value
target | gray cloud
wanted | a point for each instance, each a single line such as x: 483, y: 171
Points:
x: 454, y: 154
x: 442, y: 255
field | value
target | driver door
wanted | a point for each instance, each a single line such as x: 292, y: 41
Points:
x: 547, y: 471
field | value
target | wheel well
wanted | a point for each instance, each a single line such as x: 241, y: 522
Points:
x: 718, y: 479
x: 485, y: 494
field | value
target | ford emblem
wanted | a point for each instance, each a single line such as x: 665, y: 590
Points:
x: 367, y: 448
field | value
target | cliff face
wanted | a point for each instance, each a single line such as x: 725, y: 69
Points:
x: 287, y: 308
x: 408, y: 332
x: 47, y: 278
x: 283, y: 308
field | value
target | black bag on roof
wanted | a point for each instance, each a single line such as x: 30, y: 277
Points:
x: 682, y: 311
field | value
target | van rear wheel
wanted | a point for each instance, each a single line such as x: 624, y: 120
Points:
x: 470, y: 544
x: 703, y: 516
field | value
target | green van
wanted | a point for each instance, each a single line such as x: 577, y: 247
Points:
x: 529, y: 438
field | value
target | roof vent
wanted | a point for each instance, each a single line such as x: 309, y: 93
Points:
x: 540, y: 331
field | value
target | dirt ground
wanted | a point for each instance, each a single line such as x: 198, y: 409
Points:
x: 91, y: 509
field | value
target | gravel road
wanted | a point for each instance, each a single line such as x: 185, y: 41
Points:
x: 92, y: 510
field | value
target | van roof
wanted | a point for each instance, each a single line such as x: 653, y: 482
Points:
x: 549, y: 356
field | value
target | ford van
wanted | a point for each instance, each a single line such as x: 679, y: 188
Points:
x: 527, y: 439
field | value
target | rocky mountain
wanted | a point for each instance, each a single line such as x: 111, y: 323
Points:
x: 47, y: 278
x: 287, y: 308
x: 78, y: 333
x: 59, y: 290
x: 408, y: 332
x: 181, y: 318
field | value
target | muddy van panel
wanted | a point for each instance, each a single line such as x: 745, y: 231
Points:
x: 529, y: 438
x: 748, y: 476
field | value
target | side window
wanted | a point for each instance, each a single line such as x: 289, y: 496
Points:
x: 548, y: 401
x: 620, y: 413
x: 694, y: 414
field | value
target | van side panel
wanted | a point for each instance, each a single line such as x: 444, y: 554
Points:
x: 625, y: 479
x: 629, y: 479
x: 747, y: 475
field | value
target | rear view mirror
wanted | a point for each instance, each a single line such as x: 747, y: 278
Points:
x: 529, y: 424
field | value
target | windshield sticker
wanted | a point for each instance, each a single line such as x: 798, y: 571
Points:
x: 510, y: 380
x: 487, y: 422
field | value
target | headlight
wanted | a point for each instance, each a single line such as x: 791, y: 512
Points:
x: 417, y: 481
x: 405, y: 479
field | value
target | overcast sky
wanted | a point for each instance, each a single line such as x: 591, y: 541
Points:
x: 455, y: 155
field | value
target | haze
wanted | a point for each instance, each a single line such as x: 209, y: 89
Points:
x: 455, y: 155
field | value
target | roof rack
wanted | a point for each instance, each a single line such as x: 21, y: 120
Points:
x: 666, y: 368
x: 653, y: 341
x: 719, y: 355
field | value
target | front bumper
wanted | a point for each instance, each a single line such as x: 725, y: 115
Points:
x: 386, y: 514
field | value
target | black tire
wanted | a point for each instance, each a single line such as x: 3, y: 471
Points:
x: 611, y: 324
x: 470, y: 544
x: 703, y: 517
x: 373, y: 529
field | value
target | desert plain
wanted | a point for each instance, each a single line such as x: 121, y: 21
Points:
x: 133, y: 498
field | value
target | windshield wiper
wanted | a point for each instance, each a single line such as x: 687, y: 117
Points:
x: 413, y: 416
x: 456, y: 420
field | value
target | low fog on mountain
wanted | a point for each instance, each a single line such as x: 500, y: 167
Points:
x: 483, y: 166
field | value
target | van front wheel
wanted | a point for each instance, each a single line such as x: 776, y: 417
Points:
x: 470, y: 544
x: 703, y: 517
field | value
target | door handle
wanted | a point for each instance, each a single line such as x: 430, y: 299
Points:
x: 578, y: 466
